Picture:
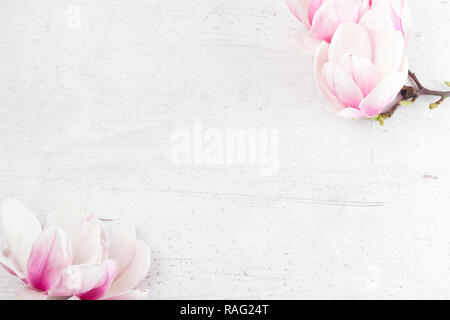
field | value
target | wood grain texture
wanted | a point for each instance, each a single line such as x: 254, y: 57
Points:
x: 356, y: 210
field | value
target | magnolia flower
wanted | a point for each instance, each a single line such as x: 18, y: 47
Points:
x: 322, y: 17
x: 399, y: 11
x: 72, y: 255
x: 363, y: 69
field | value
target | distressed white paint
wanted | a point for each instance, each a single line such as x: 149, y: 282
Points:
x: 89, y: 102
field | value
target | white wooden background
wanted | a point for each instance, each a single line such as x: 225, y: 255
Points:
x: 356, y: 211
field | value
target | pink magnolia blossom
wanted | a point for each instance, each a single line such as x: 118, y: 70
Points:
x: 322, y: 17
x: 363, y: 69
x: 72, y: 255
x: 399, y: 11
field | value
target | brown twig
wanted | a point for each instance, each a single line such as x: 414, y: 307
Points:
x: 413, y: 77
x: 409, y: 95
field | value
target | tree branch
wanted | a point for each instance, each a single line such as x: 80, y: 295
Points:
x: 409, y: 95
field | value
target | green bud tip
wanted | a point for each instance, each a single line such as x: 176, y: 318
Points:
x: 380, y: 119
x: 405, y: 103
x: 433, y: 106
x: 447, y: 83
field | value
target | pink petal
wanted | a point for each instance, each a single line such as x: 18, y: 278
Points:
x: 384, y: 94
x: 365, y: 6
x: 77, y: 279
x: 122, y: 244
x: 331, y: 14
x: 88, y: 282
x: 314, y: 5
x: 399, y: 12
x: 134, y: 273
x: 346, y: 89
x: 130, y: 295
x: 387, y: 43
x: 21, y: 230
x: 103, y: 285
x: 320, y: 60
x: 363, y: 72
x: 308, y: 44
x: 396, y: 21
x: 351, y: 39
x: 51, y: 253
x: 299, y: 8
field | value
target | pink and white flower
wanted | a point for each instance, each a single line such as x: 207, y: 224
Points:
x: 399, y: 12
x: 73, y: 255
x: 363, y: 69
x: 322, y: 17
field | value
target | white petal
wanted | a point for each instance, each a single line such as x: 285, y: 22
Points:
x: 387, y: 43
x: 87, y: 244
x: 122, y: 243
x: 8, y: 262
x: 85, y: 232
x: 350, y: 38
x: 134, y: 273
x: 68, y: 217
x: 21, y: 229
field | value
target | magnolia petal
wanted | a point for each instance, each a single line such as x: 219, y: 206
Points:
x: 87, y: 246
x: 85, y: 280
x: 387, y: 43
x: 314, y: 5
x: 308, y: 44
x: 68, y: 217
x: 130, y: 295
x: 320, y: 60
x: 51, y: 253
x: 352, y: 113
x: 122, y: 244
x: 134, y: 273
x: 383, y: 95
x: 350, y: 38
x: 299, y: 8
x: 407, y: 20
x: 328, y: 75
x: 346, y: 89
x: 399, y: 12
x: 76, y: 279
x: 104, y: 236
x: 21, y: 230
x: 7, y: 262
x: 362, y: 71
x: 110, y: 270
x: 376, y: 19
x: 331, y: 14
x: 366, y: 4
x: 31, y: 294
